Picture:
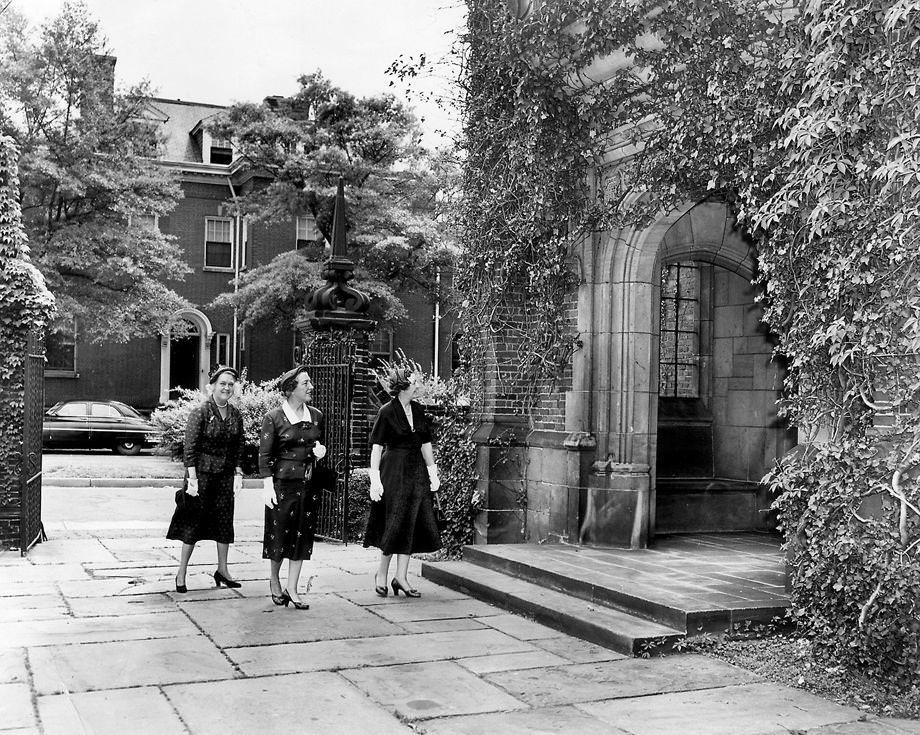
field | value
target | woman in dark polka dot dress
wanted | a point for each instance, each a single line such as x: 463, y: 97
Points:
x: 213, y: 450
x: 289, y: 446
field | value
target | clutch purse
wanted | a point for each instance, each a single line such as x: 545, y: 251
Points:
x: 324, y: 478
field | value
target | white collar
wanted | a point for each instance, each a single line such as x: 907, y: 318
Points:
x: 292, y: 417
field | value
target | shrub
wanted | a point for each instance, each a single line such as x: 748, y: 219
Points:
x: 253, y: 400
x: 359, y: 503
x: 854, y: 571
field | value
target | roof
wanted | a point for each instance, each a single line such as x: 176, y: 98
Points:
x: 178, y: 118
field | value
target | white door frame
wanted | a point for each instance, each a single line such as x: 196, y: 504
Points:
x: 205, y: 333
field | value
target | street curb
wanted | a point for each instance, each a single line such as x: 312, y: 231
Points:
x: 175, y: 482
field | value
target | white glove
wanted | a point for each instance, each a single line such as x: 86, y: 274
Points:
x: 433, y: 477
x: 192, y: 486
x: 268, y: 493
x: 319, y: 451
x: 376, y: 491
x: 237, y: 483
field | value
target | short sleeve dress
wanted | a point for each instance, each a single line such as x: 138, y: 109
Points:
x: 214, y: 447
x: 403, y: 520
x: 286, y: 454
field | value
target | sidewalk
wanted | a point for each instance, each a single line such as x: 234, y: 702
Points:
x: 93, y: 639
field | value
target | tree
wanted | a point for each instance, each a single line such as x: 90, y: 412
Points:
x: 302, y: 144
x: 90, y: 185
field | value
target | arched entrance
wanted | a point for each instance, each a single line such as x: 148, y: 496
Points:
x: 682, y: 400
x: 185, y: 353
x: 717, y: 427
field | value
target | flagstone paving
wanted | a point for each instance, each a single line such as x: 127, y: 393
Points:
x: 94, y: 639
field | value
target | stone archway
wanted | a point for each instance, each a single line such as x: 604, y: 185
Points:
x: 621, y: 385
x: 200, y: 334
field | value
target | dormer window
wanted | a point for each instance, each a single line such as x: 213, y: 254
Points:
x: 221, y: 152
x: 306, y: 231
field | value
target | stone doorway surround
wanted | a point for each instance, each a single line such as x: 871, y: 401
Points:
x: 205, y: 333
x: 614, y: 394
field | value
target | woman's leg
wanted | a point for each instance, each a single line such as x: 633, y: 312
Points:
x: 383, y: 570
x: 222, y: 551
x: 274, y: 582
x: 294, y: 566
x: 402, y: 569
x: 184, y: 556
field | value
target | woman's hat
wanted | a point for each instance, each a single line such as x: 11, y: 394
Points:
x: 220, y: 370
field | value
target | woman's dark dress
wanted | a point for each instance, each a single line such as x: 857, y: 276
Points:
x: 286, y: 454
x: 214, y: 447
x: 403, y: 520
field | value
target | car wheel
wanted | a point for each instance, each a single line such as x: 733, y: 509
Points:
x: 128, y: 447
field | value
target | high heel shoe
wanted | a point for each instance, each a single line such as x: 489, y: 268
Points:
x: 296, y: 603
x: 220, y: 579
x: 281, y: 599
x: 397, y: 587
x: 180, y: 587
x: 380, y: 589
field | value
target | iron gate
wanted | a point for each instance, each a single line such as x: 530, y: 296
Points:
x: 332, y: 394
x: 30, y: 524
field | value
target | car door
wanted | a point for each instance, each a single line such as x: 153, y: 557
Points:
x: 67, y: 425
x: 106, y: 425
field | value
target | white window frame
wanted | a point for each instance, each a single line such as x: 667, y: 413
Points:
x: 309, y: 227
x: 220, y: 353
x: 231, y: 243
x: 57, y: 372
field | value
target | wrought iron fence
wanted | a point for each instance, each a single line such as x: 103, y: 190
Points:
x: 332, y: 394
x: 30, y: 527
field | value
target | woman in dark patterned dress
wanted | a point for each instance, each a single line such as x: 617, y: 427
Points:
x: 212, y: 455
x: 403, y: 476
x: 289, y: 447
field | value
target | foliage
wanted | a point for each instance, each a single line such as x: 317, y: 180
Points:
x: 303, y: 143
x: 87, y: 178
x: 806, y: 123
x: 448, y: 404
x: 25, y: 306
x: 253, y: 400
x: 359, y: 503
x: 280, y: 290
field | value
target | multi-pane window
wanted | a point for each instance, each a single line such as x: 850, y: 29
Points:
x: 220, y: 349
x: 61, y: 350
x: 306, y: 231
x: 679, y: 355
x: 218, y: 243
x: 221, y: 152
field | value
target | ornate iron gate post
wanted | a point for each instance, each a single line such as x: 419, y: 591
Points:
x: 26, y: 306
x: 336, y: 352
x: 30, y: 524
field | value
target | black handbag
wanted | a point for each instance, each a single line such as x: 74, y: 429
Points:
x: 187, y: 506
x: 440, y: 517
x: 324, y: 478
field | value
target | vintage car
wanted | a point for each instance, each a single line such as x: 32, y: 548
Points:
x: 96, y: 425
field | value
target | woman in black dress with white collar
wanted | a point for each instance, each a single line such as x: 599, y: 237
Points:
x: 289, y: 446
x: 403, y: 476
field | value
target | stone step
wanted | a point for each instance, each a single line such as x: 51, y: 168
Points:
x: 605, y: 626
x: 662, y: 607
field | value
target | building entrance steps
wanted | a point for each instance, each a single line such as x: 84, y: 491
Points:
x: 629, y: 600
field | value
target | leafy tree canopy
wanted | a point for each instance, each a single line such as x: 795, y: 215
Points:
x: 88, y: 179
x: 394, y: 189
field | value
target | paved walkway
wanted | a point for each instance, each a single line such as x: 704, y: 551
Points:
x: 93, y: 639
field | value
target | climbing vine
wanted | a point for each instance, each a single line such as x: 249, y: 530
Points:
x: 25, y: 306
x: 805, y: 121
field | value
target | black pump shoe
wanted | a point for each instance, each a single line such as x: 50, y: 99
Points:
x: 380, y: 589
x: 397, y: 587
x: 297, y: 604
x: 220, y: 579
x: 180, y: 587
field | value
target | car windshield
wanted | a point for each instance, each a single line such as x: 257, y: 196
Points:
x: 126, y: 410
